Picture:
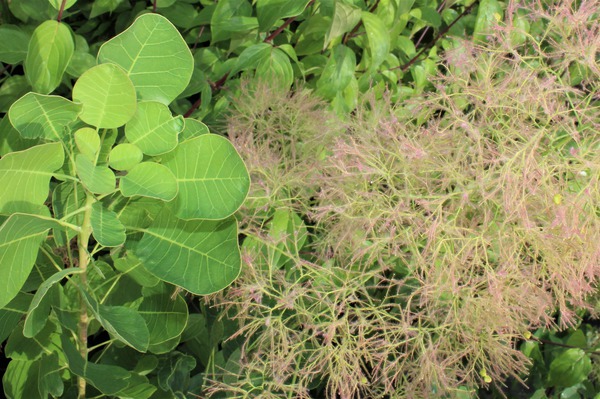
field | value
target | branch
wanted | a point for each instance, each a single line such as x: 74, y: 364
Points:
x: 405, y: 67
x: 63, y: 4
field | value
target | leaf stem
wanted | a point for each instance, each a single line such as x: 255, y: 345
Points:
x: 63, y: 4
x: 84, y: 260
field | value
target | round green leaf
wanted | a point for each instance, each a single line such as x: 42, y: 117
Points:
x: 40, y: 116
x: 88, y: 142
x: 165, y: 317
x: 198, y: 255
x: 149, y: 179
x: 125, y: 156
x: 96, y: 178
x: 212, y: 178
x: 106, y: 227
x: 155, y: 57
x: 50, y: 50
x: 193, y: 128
x: 153, y: 129
x: 107, y: 95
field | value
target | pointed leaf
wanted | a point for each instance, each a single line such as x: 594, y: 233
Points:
x: 38, y: 315
x: 96, y: 178
x: 269, y: 11
x: 20, y: 239
x: 106, y: 227
x: 200, y: 256
x: 13, y: 88
x: 25, y: 176
x: 149, y: 179
x: 570, y: 368
x: 212, y: 178
x: 40, y: 116
x: 50, y: 50
x: 11, y: 314
x: 134, y: 268
x: 153, y: 129
x: 378, y: 37
x: 345, y: 18
x: 155, y: 57
x: 166, y: 319
x: 107, y: 95
x: 125, y: 156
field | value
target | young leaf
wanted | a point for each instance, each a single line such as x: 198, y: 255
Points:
x: 25, y: 176
x: 50, y: 50
x: 155, y: 57
x: 570, y: 368
x: 125, y: 156
x: 96, y: 178
x: 88, y: 142
x: 107, y: 95
x: 338, y: 72
x: 200, y: 256
x: 212, y: 178
x: 40, y: 116
x: 20, y: 239
x: 231, y: 16
x: 106, y: 227
x: 149, y: 179
x: 153, y: 129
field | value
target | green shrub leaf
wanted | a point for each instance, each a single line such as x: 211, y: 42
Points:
x: 200, y: 256
x: 50, y: 50
x: 98, y: 179
x: 570, y: 368
x: 13, y: 46
x: 269, y: 11
x: 212, y: 178
x: 153, y: 129
x: 378, y: 37
x: 155, y: 57
x: 149, y: 179
x: 41, y: 116
x: 125, y: 156
x: 107, y: 95
x: 106, y: 227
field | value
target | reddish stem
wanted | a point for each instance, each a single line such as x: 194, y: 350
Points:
x: 63, y: 4
x: 154, y: 6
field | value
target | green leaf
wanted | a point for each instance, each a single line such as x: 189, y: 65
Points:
x: 25, y: 176
x: 49, y: 52
x: 489, y: 14
x: 166, y: 318
x: 289, y: 234
x: 378, y: 38
x: 122, y: 322
x: 149, y: 179
x: 200, y: 256
x: 125, y: 156
x: 193, y: 128
x: 155, y: 57
x: 212, y: 179
x: 13, y: 88
x: 571, y: 367
x: 231, y: 17
x: 153, y: 129
x: 106, y: 227
x: 134, y: 268
x: 338, y: 72
x: 13, y: 46
x: 37, y: 315
x: 57, y: 3
x: 96, y: 178
x: 252, y: 57
x: 11, y: 314
x: 88, y: 142
x: 103, y: 6
x: 41, y: 116
x: 107, y: 95
x: 107, y: 379
x: 276, y: 69
x: 345, y: 18
x: 67, y: 198
x: 20, y: 238
x: 269, y: 11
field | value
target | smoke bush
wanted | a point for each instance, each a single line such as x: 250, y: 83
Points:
x: 440, y: 229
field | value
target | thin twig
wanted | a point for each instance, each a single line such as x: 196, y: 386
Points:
x: 63, y: 4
